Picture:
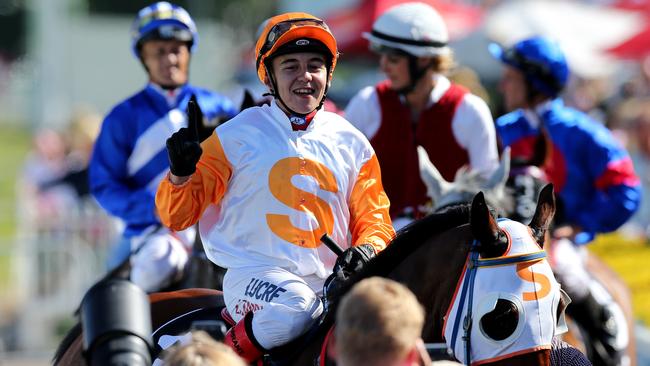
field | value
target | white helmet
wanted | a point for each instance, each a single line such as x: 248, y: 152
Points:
x: 415, y: 28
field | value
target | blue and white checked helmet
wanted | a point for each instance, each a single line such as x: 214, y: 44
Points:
x: 163, y: 20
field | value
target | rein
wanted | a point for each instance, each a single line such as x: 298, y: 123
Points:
x: 468, y: 289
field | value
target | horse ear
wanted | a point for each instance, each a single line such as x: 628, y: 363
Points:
x: 433, y: 180
x: 543, y: 214
x: 248, y: 100
x: 485, y: 229
x: 500, y: 176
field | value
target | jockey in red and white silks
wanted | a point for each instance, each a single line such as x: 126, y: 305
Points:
x: 266, y: 194
x: 529, y: 285
x: 418, y: 106
x: 471, y: 123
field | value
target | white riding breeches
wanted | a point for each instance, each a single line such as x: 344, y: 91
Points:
x: 569, y: 268
x: 160, y: 257
x: 285, y: 305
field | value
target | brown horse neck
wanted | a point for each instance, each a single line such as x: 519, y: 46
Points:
x: 538, y: 358
x: 422, y: 273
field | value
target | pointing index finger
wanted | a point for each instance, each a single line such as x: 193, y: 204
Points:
x: 193, y: 117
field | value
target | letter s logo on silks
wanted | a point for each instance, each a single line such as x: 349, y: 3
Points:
x: 539, y: 279
x: 281, y: 188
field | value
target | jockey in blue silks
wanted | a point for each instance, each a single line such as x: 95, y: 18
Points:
x: 593, y: 174
x: 130, y: 158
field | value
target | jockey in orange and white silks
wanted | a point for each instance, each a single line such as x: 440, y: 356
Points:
x: 270, y: 182
x: 418, y: 105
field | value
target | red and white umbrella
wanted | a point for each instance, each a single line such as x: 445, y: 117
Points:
x: 587, y: 32
x: 637, y: 46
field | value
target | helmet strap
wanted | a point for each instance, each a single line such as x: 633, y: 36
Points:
x: 275, y: 94
x: 533, y: 95
x: 415, y: 75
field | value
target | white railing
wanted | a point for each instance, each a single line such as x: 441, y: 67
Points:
x: 57, y: 257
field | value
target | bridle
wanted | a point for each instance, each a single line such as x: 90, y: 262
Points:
x: 472, y: 266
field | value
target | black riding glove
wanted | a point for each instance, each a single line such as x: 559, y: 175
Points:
x: 348, y: 263
x: 184, y: 146
x: 353, y: 259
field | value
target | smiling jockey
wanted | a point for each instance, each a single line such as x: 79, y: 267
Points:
x: 597, y: 188
x: 129, y: 156
x: 270, y: 182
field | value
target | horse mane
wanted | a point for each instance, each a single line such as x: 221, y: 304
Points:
x: 66, y: 343
x: 411, y: 237
x: 406, y: 241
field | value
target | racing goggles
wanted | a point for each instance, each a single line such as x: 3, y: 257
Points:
x: 283, y: 27
x: 164, y: 14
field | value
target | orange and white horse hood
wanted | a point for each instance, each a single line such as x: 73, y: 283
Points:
x: 519, y: 285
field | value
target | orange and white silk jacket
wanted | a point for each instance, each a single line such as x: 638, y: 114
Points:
x: 265, y: 194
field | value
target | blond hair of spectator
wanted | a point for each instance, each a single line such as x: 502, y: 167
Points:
x: 203, y: 350
x: 379, y: 322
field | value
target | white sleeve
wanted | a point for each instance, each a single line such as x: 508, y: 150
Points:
x: 364, y: 112
x: 474, y: 130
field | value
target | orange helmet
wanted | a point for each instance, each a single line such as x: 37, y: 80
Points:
x: 284, y: 28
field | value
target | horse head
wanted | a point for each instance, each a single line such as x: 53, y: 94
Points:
x: 466, y: 183
x: 493, y: 240
x: 507, y: 299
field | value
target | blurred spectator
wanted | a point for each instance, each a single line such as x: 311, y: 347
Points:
x: 47, y: 159
x: 54, y: 177
x: 379, y: 322
x: 202, y: 350
x: 79, y: 138
x: 640, y: 153
x: 467, y: 77
x: 588, y: 96
x: 624, y: 105
x: 42, y: 200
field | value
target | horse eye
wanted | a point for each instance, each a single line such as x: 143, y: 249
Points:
x: 501, y: 322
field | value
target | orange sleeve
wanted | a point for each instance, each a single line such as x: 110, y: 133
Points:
x: 181, y: 206
x: 369, y: 219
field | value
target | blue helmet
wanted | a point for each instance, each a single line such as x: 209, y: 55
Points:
x: 540, y: 59
x: 163, y: 20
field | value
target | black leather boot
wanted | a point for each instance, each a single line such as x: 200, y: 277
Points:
x: 601, y: 327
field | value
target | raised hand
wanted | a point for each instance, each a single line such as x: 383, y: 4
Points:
x: 184, y: 146
x: 196, y: 120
